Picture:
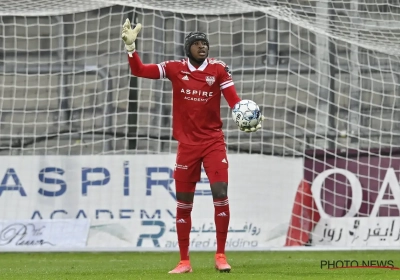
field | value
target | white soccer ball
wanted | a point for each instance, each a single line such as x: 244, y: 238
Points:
x: 246, y: 113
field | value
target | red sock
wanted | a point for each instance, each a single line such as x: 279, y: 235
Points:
x: 183, y: 227
x: 221, y: 218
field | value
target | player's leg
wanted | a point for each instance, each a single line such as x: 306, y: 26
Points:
x: 184, y: 197
x: 186, y: 174
x: 221, y: 218
x: 216, y: 166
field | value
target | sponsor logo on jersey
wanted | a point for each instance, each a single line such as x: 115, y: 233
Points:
x: 199, y: 93
x: 180, y: 166
x: 196, y: 95
x: 210, y: 80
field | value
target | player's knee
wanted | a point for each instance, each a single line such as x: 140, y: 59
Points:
x: 185, y: 196
x: 185, y: 191
x: 219, y: 190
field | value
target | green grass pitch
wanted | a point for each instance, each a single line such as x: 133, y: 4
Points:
x: 245, y: 265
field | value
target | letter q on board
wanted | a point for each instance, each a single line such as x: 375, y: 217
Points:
x: 355, y: 185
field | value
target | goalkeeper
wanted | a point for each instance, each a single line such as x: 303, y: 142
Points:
x: 197, y: 83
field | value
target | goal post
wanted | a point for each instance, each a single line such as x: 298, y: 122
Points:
x: 82, y: 138
x: 278, y: 52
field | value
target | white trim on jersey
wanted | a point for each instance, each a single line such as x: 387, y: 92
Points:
x: 162, y: 71
x: 226, y: 85
x: 201, y: 68
x: 222, y: 84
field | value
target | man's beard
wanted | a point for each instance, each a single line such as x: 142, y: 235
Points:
x: 199, y: 61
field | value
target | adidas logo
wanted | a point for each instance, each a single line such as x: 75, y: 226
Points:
x: 223, y: 214
x: 181, y: 221
x: 186, y: 78
x: 224, y: 161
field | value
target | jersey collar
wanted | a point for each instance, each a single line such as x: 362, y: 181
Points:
x: 201, y: 68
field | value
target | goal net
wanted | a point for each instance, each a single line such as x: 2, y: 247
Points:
x: 324, y: 73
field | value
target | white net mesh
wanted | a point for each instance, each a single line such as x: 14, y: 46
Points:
x: 318, y: 70
x: 67, y: 72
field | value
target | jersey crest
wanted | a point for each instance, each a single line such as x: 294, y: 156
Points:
x: 210, y: 80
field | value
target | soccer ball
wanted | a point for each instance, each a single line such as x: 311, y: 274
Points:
x: 246, y: 113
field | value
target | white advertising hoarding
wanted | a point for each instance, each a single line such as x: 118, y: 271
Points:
x: 357, y: 232
x: 46, y: 234
x: 130, y: 200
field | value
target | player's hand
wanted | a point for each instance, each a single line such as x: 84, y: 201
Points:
x: 129, y: 35
x: 253, y: 129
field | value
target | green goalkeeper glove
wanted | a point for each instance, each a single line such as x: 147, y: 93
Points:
x: 253, y: 129
x: 129, y: 35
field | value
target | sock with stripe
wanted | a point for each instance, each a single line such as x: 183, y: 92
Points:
x: 183, y: 227
x: 221, y: 218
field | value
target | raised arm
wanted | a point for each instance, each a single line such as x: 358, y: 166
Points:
x: 149, y: 71
x: 129, y: 35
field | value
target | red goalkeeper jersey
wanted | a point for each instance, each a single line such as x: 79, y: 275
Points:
x: 196, y: 95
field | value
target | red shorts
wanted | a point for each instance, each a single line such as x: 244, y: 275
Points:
x: 189, y: 159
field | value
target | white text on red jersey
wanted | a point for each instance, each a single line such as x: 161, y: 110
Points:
x: 197, y: 92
